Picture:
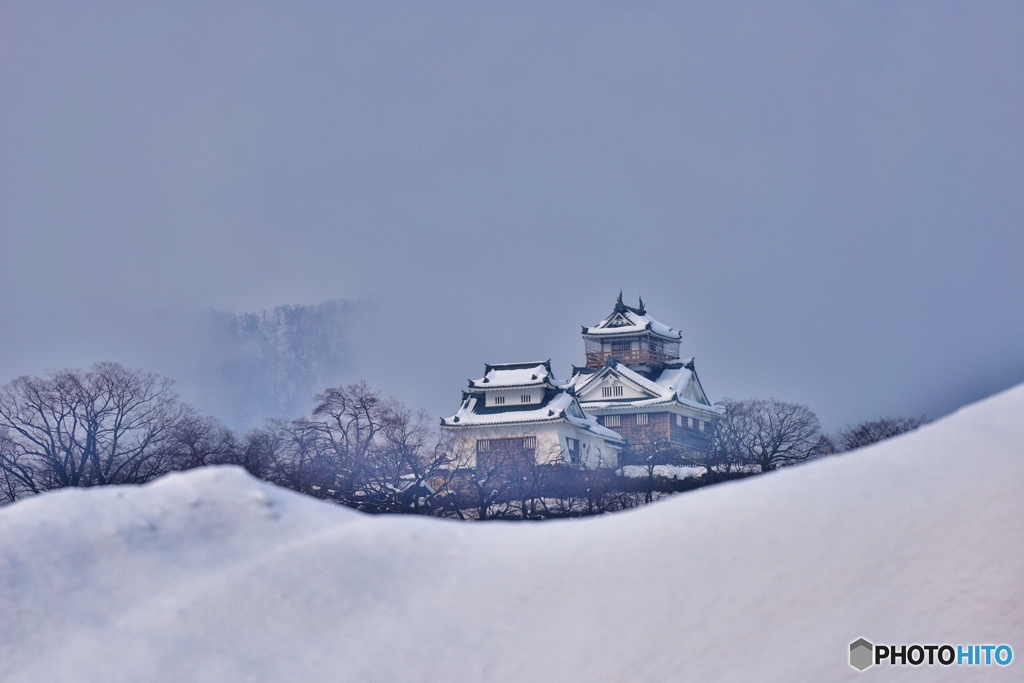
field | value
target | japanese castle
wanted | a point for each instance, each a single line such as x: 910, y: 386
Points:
x: 632, y: 386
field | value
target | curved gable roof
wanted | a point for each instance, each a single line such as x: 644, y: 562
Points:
x: 516, y: 375
x: 677, y: 383
x: 628, y: 320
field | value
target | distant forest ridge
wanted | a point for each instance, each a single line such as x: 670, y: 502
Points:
x: 270, y: 364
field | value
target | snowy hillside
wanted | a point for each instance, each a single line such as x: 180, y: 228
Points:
x: 215, y: 576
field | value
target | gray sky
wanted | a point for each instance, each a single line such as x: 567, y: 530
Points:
x: 827, y: 199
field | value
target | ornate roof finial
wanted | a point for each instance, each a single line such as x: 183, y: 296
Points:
x: 641, y: 310
x: 619, y: 306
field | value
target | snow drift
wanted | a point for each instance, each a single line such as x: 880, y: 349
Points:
x: 214, y: 576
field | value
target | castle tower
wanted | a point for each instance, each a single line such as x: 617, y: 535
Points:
x: 635, y: 383
x: 631, y: 337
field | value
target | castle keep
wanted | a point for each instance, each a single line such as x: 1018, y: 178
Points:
x: 633, y: 387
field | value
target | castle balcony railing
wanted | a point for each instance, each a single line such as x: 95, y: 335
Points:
x: 645, y: 356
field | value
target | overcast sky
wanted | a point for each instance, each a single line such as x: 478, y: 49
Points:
x: 827, y: 199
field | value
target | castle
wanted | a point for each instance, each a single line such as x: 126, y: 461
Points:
x: 633, y: 386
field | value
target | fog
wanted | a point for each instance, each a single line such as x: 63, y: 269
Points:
x: 826, y: 199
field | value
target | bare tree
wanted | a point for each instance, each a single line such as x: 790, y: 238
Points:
x: 409, y: 464
x: 362, y: 450
x: 535, y: 476
x: 324, y: 455
x: 297, y: 456
x: 488, y: 482
x: 257, y: 451
x: 10, y: 486
x: 109, y: 425
x: 867, y: 433
x: 349, y: 419
x: 650, y: 447
x: 572, y: 492
x: 198, y: 441
x: 728, y: 441
x: 767, y: 434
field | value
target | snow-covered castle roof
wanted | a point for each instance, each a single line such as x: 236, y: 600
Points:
x: 626, y: 320
x: 517, y: 375
x: 676, y: 383
x: 557, y: 401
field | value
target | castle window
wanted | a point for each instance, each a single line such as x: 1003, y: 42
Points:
x: 689, y: 422
x: 612, y: 421
x: 641, y: 419
x: 702, y: 425
x: 574, y: 450
x: 620, y: 348
x: 679, y: 420
x: 498, y: 400
x: 483, y: 445
x: 530, y: 443
x: 525, y: 398
x: 608, y: 392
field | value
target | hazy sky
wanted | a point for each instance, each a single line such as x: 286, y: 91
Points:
x: 827, y: 199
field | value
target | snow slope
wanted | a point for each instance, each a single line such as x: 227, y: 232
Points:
x: 215, y: 576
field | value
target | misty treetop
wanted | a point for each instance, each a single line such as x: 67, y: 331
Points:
x: 269, y: 364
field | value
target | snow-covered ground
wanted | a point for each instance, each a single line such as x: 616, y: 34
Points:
x: 667, y: 471
x: 215, y: 576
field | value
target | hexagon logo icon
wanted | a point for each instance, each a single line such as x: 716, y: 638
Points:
x: 861, y: 654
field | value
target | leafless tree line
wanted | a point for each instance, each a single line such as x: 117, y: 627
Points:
x: 105, y: 426
x: 764, y: 434
x: 867, y: 433
x: 511, y: 482
x: 760, y: 435
x: 112, y: 425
